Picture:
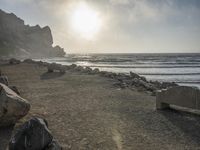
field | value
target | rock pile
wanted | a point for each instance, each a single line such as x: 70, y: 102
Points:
x: 133, y: 80
x: 121, y: 80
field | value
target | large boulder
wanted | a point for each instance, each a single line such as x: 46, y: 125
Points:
x: 12, y: 106
x: 33, y: 135
x: 4, y: 80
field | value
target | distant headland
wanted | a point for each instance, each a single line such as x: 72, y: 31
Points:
x: 20, y: 40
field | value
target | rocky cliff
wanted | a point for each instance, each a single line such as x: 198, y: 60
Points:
x: 18, y: 39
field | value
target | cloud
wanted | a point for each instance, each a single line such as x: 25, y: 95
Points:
x: 128, y: 24
x: 119, y: 2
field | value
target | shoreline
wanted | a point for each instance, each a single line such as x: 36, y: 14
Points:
x: 88, y: 111
x: 126, y: 80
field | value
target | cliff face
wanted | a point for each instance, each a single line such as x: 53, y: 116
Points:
x: 18, y: 39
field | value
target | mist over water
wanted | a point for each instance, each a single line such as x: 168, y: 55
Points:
x: 183, y: 69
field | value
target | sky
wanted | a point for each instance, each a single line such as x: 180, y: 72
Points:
x: 117, y: 26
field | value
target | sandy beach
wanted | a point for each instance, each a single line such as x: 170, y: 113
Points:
x: 87, y: 112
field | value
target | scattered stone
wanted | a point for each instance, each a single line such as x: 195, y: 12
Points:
x: 72, y: 66
x: 110, y: 75
x: 4, y: 80
x: 56, y: 67
x: 29, y: 61
x: 146, y: 85
x: 12, y: 106
x: 45, y: 64
x: 88, y: 70
x: 41, y: 63
x: 122, y: 76
x: 134, y: 75
x: 102, y: 73
x: 121, y: 85
x: 143, y: 78
x: 15, y: 89
x: 33, y: 135
x: 95, y: 71
x: 14, y: 61
x: 79, y: 68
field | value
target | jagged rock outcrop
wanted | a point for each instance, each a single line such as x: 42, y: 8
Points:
x: 18, y: 39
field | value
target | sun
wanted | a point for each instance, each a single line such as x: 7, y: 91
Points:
x: 85, y: 21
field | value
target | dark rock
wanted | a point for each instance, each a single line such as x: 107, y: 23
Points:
x: 95, y: 71
x: 4, y: 80
x: 12, y: 106
x: 121, y: 85
x: 79, y: 68
x: 32, y: 135
x: 14, y: 61
x: 15, y: 89
x: 29, y: 61
x: 88, y: 70
x: 146, y: 85
x: 102, y: 73
x: 72, y: 66
x: 45, y: 64
x: 110, y: 75
x: 56, y: 67
x: 134, y: 75
x: 143, y: 78
x: 122, y: 77
x: 54, y: 145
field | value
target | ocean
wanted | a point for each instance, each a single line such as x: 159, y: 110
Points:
x: 183, y: 69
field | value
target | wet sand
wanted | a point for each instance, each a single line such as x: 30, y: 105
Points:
x: 88, y: 112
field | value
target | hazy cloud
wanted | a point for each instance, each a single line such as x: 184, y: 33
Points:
x: 128, y: 25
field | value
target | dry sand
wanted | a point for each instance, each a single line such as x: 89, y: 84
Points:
x: 88, y: 112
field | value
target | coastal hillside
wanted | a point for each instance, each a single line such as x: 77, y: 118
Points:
x: 18, y: 39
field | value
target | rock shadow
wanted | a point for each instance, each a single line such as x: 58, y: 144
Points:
x: 51, y: 75
x: 5, y: 136
x: 187, y: 122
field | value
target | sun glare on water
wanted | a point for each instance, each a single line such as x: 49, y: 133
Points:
x: 85, y: 21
